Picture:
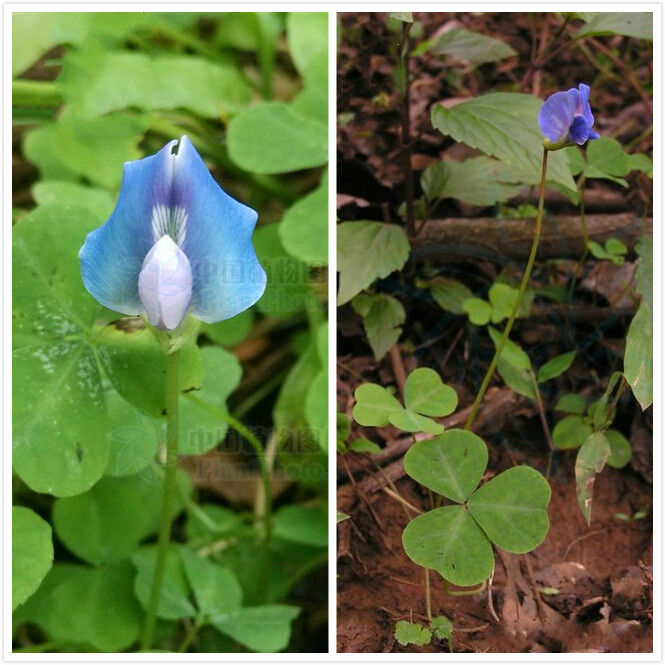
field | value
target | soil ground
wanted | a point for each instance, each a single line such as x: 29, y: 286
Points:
x: 602, y: 574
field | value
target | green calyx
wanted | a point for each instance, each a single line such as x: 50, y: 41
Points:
x: 173, y: 340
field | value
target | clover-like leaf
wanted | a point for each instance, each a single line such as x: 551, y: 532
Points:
x: 174, y: 600
x: 272, y: 137
x: 136, y: 365
x: 502, y: 297
x: 307, y: 36
x: 374, y: 405
x: 288, y: 289
x: 80, y: 605
x: 512, y: 509
x: 305, y: 525
x: 291, y: 408
x: 450, y: 294
x: 104, y: 525
x: 99, y: 81
x: 58, y: 192
x: 425, y: 393
x: 32, y: 553
x: 216, y: 589
x: 570, y: 432
x: 621, y: 451
x: 479, y: 311
x: 201, y: 428
x: 266, y: 628
x: 410, y: 421
x: 304, y: 229
x: 316, y: 409
x: 363, y: 445
x: 452, y: 464
x: 571, y: 403
x: 450, y: 541
x: 55, y: 372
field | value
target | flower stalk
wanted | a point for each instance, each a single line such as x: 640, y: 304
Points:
x: 518, y: 300
x: 170, y: 470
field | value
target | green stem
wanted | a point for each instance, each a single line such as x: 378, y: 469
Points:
x: 259, y: 394
x: 191, y: 634
x: 258, y: 449
x: 172, y: 397
x: 428, y: 597
x: 518, y: 300
x: 35, y: 93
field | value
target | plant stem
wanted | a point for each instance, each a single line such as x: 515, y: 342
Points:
x: 518, y: 300
x: 428, y: 597
x: 546, y: 429
x: 172, y: 397
x: 406, y: 130
x: 191, y: 634
x: 35, y: 93
x: 258, y: 449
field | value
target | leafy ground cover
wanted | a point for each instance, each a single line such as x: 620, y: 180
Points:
x: 246, y: 563
x: 533, y: 534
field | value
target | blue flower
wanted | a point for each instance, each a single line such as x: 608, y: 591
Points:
x: 175, y: 244
x: 565, y: 117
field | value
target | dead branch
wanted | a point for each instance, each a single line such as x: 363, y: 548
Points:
x: 460, y: 239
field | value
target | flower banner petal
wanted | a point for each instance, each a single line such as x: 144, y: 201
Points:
x: 227, y: 276
x: 112, y: 256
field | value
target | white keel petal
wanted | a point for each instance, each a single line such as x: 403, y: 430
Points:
x: 165, y: 284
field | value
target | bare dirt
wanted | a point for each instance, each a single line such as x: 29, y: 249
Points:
x: 602, y: 574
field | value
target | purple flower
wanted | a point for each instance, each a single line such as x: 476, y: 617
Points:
x: 565, y: 117
x: 175, y: 244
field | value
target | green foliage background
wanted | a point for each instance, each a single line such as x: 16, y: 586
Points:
x: 90, y: 92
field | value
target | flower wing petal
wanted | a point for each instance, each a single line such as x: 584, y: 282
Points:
x: 113, y: 254
x: 557, y: 113
x: 227, y: 276
x: 579, y: 130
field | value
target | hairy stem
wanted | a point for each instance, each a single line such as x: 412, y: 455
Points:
x: 518, y: 301
x: 172, y: 396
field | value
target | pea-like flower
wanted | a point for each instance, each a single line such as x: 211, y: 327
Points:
x: 175, y: 244
x: 565, y: 117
